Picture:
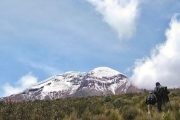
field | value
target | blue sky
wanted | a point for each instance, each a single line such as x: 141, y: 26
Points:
x: 43, y: 38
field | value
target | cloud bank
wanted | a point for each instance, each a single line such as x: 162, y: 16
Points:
x: 164, y: 63
x: 121, y: 15
x: 24, y: 82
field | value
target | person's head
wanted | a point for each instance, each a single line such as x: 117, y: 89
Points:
x: 158, y: 84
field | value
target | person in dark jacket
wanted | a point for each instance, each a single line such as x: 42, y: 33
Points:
x: 158, y: 96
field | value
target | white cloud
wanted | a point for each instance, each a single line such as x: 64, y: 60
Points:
x: 164, y: 63
x: 24, y: 82
x: 121, y: 15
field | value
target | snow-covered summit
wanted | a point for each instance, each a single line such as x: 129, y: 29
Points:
x: 99, y: 81
x: 104, y: 72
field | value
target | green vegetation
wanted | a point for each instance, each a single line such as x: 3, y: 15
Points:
x: 121, y: 107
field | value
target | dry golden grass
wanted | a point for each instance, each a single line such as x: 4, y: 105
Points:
x: 120, y: 107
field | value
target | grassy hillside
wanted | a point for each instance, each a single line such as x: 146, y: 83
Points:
x: 122, y: 107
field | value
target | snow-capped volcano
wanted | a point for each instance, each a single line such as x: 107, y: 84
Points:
x: 99, y: 81
x: 104, y: 72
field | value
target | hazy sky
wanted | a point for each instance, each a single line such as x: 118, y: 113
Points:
x: 40, y: 38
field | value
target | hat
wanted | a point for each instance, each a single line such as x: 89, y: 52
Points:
x: 157, y: 84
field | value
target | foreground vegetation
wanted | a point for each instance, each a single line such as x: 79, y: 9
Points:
x: 122, y: 107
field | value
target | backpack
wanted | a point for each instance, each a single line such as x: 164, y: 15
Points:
x: 162, y: 93
x: 151, y: 99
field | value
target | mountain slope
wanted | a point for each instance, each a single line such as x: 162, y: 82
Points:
x: 115, y: 107
x: 97, y: 82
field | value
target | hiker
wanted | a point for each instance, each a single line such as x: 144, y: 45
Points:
x: 150, y: 101
x: 161, y: 95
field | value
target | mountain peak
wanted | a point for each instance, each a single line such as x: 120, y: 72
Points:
x: 99, y: 81
x: 104, y: 72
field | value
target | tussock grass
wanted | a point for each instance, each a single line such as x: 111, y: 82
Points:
x: 119, y: 107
